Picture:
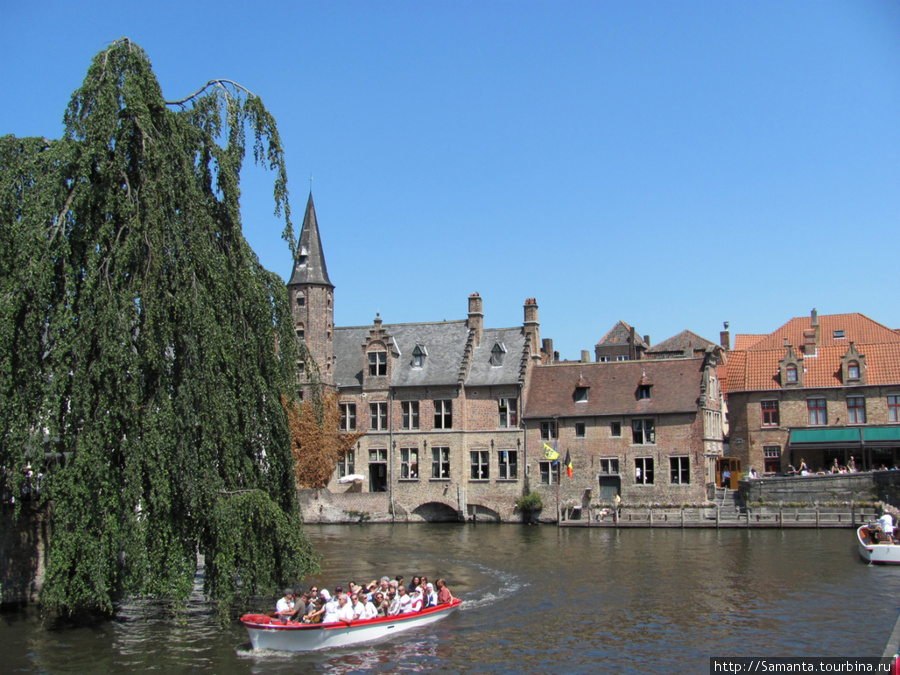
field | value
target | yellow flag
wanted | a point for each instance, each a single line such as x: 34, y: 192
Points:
x: 550, y: 453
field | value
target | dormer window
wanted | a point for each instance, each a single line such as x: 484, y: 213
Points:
x: 419, y: 354
x: 302, y: 256
x: 853, y: 370
x: 853, y: 366
x: 839, y: 334
x: 644, y: 391
x: 377, y: 363
x: 497, y: 353
x: 581, y: 394
x: 791, y: 374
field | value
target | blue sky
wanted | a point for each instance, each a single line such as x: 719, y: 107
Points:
x: 670, y: 164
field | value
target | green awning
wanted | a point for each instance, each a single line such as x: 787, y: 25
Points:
x: 845, y: 435
x: 881, y: 433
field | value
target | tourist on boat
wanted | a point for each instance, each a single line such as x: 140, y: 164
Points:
x: 405, y: 600
x: 887, y: 524
x: 394, y: 608
x: 444, y: 595
x: 416, y: 582
x: 417, y: 600
x: 284, y: 608
x: 431, y: 596
x: 315, y: 611
x: 330, y: 613
x: 382, y: 604
x: 369, y: 610
x: 384, y: 585
x: 345, y: 609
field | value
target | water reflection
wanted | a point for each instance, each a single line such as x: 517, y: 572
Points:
x: 537, y: 599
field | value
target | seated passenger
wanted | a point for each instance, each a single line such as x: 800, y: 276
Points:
x: 431, y: 596
x: 417, y: 600
x: 369, y: 611
x: 359, y: 605
x: 284, y: 608
x: 394, y: 609
x: 444, y: 595
x: 382, y: 604
x: 345, y: 611
x: 330, y: 614
x: 404, y: 599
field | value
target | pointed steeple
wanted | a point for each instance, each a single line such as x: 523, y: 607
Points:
x: 309, y: 268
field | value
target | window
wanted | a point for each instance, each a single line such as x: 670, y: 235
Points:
x: 838, y: 333
x: 818, y: 413
x: 893, y: 408
x: 853, y: 370
x: 347, y: 464
x: 480, y: 461
x: 644, y: 391
x: 581, y: 394
x: 301, y: 333
x: 419, y: 354
x: 603, y: 359
x: 856, y: 409
x: 580, y: 429
x: 791, y: 374
x: 301, y: 300
x: 548, y: 430
x: 443, y: 414
x: 622, y: 357
x: 615, y: 429
x: 680, y: 470
x: 497, y: 354
x: 378, y: 455
x: 348, y: 417
x: 549, y: 473
x: 643, y: 432
x: 409, y: 463
x: 410, y: 418
x: 377, y: 363
x: 609, y: 466
x: 378, y: 416
x: 643, y: 471
x: 772, y: 452
x: 440, y: 462
x: 508, y: 412
x: 508, y: 464
x: 769, y: 413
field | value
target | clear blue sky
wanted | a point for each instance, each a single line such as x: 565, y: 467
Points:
x: 670, y: 164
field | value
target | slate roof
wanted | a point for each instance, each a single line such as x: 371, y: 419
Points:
x: 310, y: 267
x: 445, y: 344
x: 613, y: 388
x: 755, y: 366
x: 619, y: 335
x: 678, y: 343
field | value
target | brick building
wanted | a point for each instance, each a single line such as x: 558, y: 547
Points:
x: 649, y: 430
x: 439, y: 402
x: 621, y: 343
x: 819, y: 389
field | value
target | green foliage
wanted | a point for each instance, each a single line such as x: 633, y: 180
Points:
x: 138, y: 339
x: 530, y: 503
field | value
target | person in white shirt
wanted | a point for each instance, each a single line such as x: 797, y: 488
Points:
x: 887, y: 524
x: 345, y: 611
x: 331, y: 608
x: 370, y: 611
x: 359, y: 607
x: 284, y: 608
x: 405, y: 600
x: 417, y: 600
x: 394, y: 608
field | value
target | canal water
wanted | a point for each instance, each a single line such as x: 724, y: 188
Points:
x: 537, y: 599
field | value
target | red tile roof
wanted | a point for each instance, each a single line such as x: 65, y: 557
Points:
x: 755, y: 366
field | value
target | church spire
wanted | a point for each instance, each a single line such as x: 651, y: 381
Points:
x: 309, y: 267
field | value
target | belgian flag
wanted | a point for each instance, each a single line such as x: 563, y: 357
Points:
x: 568, y: 464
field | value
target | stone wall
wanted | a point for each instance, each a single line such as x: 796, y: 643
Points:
x: 858, y: 487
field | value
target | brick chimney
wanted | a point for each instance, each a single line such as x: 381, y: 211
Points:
x: 585, y: 356
x: 532, y: 328
x: 725, y: 337
x: 475, y: 322
x: 547, y: 350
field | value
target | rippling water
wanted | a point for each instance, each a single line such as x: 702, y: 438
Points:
x: 538, y: 599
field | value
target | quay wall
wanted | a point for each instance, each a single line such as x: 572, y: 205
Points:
x: 863, y: 486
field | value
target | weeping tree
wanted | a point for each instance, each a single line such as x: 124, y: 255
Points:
x: 139, y: 340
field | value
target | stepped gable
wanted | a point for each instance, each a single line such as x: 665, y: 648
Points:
x: 310, y: 268
x: 613, y: 388
x: 678, y: 343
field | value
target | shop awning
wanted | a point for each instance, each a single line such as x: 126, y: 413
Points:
x: 848, y: 436
x: 889, y: 435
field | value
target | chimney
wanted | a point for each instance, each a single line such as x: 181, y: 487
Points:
x: 532, y: 327
x: 814, y: 321
x: 475, y: 322
x: 585, y: 356
x: 725, y: 337
x: 547, y: 349
x: 632, y: 354
x: 647, y: 340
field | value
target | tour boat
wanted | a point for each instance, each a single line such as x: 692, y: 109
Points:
x: 875, y: 551
x: 268, y: 633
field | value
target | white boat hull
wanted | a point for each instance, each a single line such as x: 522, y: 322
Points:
x: 876, y: 552
x: 268, y: 633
